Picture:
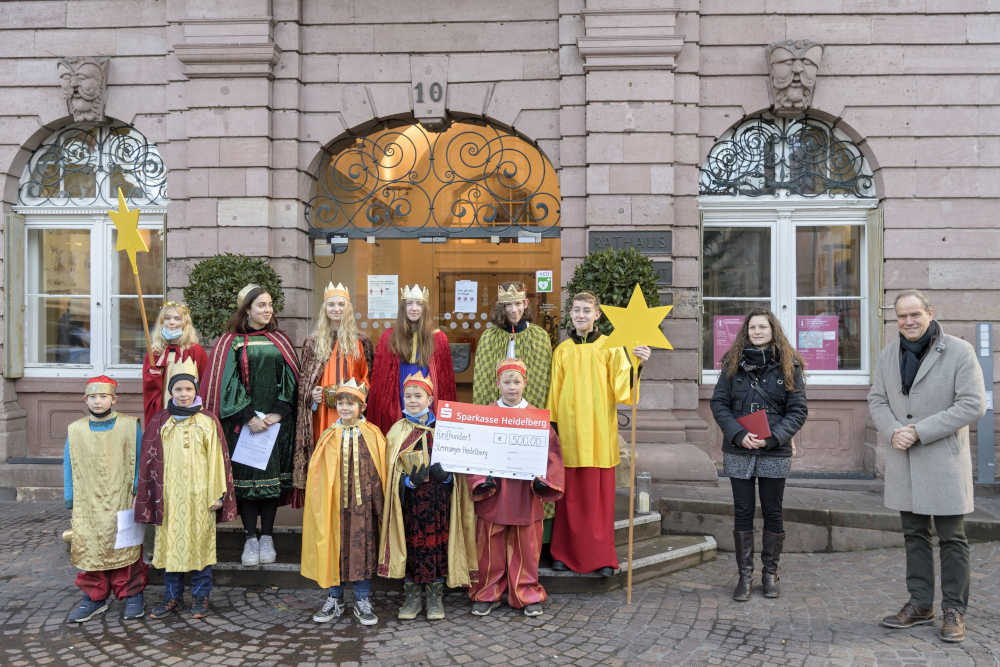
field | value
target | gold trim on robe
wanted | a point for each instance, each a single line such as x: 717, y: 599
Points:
x: 103, y: 476
x: 463, y: 559
x: 321, y: 517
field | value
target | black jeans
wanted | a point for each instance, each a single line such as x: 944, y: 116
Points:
x: 954, y: 549
x: 251, y: 509
x: 772, y: 493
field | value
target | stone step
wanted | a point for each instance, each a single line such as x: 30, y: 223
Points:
x: 652, y: 557
x: 288, y: 532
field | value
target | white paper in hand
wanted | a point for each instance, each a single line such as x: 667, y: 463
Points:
x: 130, y: 533
x: 254, y: 449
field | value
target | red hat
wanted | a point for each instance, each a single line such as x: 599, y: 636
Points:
x: 101, y: 384
x: 418, y: 379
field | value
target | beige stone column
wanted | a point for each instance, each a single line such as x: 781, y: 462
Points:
x: 636, y: 105
x: 234, y: 71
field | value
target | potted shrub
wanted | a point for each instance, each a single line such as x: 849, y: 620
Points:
x: 214, y: 284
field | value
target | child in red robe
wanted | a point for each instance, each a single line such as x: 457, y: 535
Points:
x: 509, y: 517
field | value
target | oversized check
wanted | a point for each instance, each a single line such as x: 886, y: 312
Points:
x: 490, y: 440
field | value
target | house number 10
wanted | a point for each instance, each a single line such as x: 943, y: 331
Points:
x: 434, y: 92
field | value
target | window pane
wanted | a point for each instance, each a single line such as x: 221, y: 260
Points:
x: 129, y: 344
x: 150, y: 265
x: 58, y: 261
x: 721, y: 323
x: 737, y: 262
x: 60, y: 331
x: 828, y: 334
x: 828, y: 260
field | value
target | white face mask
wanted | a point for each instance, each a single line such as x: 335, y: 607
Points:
x: 171, y: 335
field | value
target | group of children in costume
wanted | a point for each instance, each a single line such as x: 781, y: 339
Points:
x: 373, y: 503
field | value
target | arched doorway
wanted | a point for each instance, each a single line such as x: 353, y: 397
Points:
x: 459, y: 210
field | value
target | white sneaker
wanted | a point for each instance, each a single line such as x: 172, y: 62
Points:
x: 364, y: 613
x: 331, y: 610
x: 267, y: 552
x: 251, y: 552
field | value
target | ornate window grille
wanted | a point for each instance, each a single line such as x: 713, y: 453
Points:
x: 471, y: 180
x: 765, y: 155
x: 83, y: 166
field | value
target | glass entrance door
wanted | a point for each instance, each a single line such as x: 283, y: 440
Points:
x: 463, y: 310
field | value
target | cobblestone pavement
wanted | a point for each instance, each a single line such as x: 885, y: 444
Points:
x: 827, y: 615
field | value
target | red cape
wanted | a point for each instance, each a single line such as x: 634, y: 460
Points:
x: 152, y: 378
x: 149, y: 495
x: 384, y: 409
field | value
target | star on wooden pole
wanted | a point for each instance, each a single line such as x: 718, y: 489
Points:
x: 127, y: 224
x: 635, y: 325
x: 131, y: 241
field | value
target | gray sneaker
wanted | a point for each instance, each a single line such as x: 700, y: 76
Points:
x: 251, y: 552
x: 267, y: 552
x: 484, y: 608
x: 364, y: 613
x: 332, y: 609
x: 88, y: 609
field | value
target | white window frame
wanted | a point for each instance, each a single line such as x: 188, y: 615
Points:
x: 103, y: 264
x: 783, y: 215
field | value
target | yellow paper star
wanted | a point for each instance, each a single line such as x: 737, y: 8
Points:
x: 127, y: 224
x: 638, y: 324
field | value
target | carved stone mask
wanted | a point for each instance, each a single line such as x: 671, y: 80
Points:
x: 84, y: 81
x: 792, y: 68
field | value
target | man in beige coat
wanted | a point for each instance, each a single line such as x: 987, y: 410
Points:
x: 926, y: 390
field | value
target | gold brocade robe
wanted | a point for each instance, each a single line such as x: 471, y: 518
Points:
x: 321, y: 515
x: 103, y: 476
x: 463, y: 560
x: 588, y: 382
x: 194, y: 478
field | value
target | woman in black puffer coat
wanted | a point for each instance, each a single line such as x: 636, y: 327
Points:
x: 761, y: 371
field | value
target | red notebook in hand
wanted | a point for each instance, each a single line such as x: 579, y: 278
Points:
x: 756, y: 423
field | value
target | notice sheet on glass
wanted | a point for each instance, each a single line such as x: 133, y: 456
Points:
x: 466, y: 292
x: 817, y: 341
x: 725, y: 329
x: 490, y: 440
x: 383, y: 297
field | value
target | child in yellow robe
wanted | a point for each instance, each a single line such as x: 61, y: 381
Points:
x: 100, y: 466
x: 343, y: 505
x: 185, y: 487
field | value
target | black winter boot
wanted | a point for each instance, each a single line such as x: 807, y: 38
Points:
x: 770, y: 553
x: 743, y: 543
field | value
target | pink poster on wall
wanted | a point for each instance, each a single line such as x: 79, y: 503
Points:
x: 725, y: 329
x: 817, y: 341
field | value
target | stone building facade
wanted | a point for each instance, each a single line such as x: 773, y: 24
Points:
x: 245, y: 103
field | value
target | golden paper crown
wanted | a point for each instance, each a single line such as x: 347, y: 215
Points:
x: 336, y: 290
x: 352, y: 388
x: 415, y: 293
x: 418, y: 379
x: 187, y: 366
x: 511, y: 364
x: 101, y: 384
x: 178, y: 306
x: 244, y: 292
x: 511, y: 294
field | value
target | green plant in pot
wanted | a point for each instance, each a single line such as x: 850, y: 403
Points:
x: 215, y: 282
x: 612, y: 274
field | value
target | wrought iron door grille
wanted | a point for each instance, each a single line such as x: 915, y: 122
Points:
x: 765, y: 155
x: 84, y: 165
x: 471, y: 180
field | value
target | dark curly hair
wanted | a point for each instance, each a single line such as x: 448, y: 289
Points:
x: 499, y: 318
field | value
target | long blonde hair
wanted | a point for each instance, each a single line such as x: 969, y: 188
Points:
x: 188, y: 335
x: 347, y: 333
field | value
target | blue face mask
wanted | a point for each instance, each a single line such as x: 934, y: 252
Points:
x: 426, y: 412
x: 171, y: 335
